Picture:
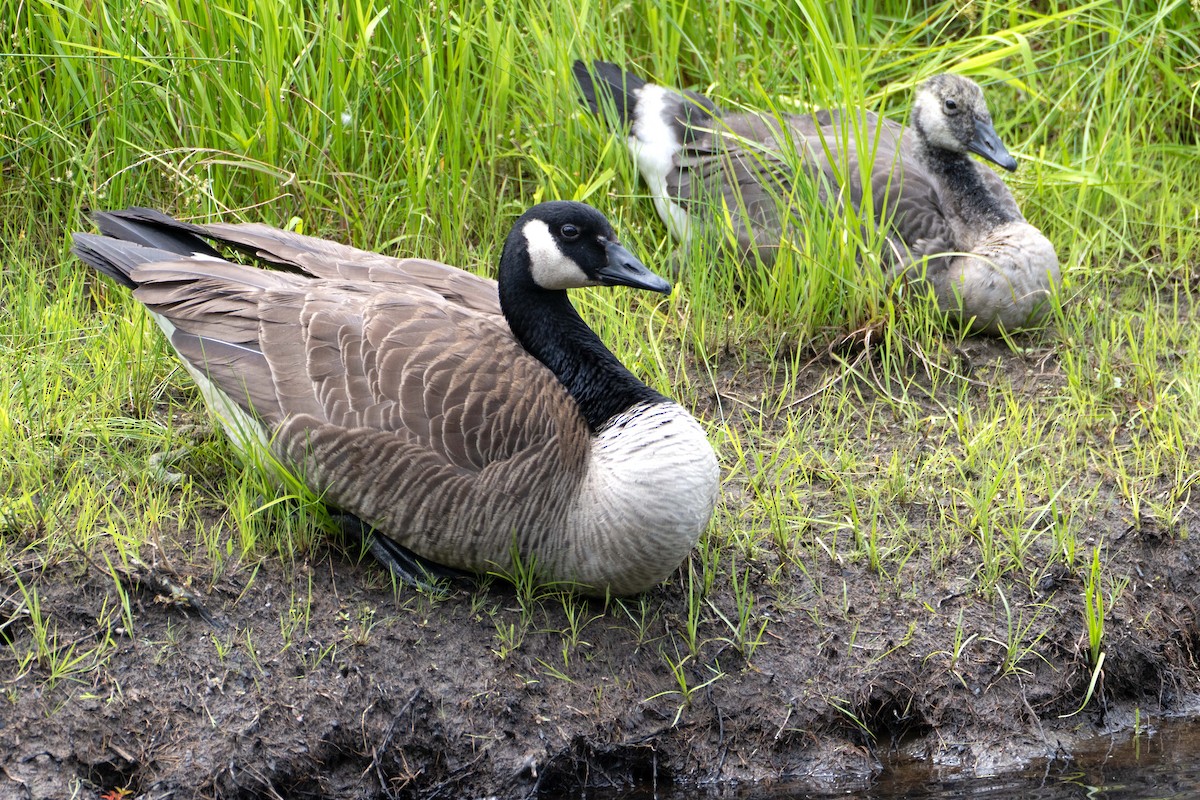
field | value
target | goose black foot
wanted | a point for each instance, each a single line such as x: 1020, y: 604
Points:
x: 410, y: 568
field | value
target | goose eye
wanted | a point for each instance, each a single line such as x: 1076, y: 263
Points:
x: 951, y: 106
x: 569, y: 232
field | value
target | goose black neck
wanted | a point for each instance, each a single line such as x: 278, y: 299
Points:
x: 972, y: 198
x: 549, y: 327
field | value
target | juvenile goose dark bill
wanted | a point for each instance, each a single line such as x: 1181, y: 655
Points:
x: 987, y: 144
x: 952, y: 223
x: 459, y: 425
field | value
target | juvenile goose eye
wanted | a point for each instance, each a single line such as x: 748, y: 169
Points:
x: 569, y: 232
x: 951, y: 106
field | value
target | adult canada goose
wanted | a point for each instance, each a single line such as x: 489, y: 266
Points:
x: 988, y: 267
x: 461, y: 423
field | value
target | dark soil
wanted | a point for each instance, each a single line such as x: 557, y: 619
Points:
x: 384, y: 692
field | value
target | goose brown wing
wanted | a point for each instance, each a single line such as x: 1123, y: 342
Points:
x: 736, y: 164
x: 452, y: 380
x: 318, y: 258
x: 745, y: 163
x: 325, y: 259
x: 744, y: 150
x: 905, y: 195
x: 401, y: 362
x: 918, y: 225
x: 437, y: 427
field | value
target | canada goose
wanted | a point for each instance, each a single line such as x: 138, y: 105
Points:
x: 463, y: 423
x: 988, y: 267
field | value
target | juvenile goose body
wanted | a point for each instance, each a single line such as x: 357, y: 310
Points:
x: 461, y: 423
x: 949, y: 218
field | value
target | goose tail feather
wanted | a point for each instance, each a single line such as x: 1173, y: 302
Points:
x: 151, y: 228
x: 115, y: 258
x: 603, y: 83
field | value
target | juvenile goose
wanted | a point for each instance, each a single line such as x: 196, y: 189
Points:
x: 461, y: 423
x: 988, y: 267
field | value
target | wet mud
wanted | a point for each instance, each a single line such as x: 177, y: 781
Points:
x: 320, y: 679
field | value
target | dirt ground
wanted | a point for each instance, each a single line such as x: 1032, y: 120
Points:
x: 386, y: 694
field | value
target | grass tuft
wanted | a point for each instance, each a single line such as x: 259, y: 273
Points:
x: 860, y: 440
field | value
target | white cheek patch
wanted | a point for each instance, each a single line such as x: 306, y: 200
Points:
x: 933, y: 122
x: 939, y: 134
x: 550, y: 266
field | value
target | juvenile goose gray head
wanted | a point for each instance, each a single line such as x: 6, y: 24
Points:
x: 950, y: 220
x: 950, y: 116
x: 461, y: 424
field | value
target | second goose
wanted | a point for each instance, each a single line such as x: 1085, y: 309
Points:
x: 949, y: 219
x: 463, y: 420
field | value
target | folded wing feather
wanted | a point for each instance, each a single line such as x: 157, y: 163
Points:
x: 409, y: 406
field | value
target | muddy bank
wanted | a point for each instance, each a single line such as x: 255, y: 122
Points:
x: 421, y: 705
x: 318, y: 679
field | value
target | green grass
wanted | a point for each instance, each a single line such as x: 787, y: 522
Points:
x: 427, y: 133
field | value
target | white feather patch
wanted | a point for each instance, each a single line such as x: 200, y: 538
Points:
x: 247, y: 434
x: 654, y: 146
x: 550, y: 266
x: 928, y: 107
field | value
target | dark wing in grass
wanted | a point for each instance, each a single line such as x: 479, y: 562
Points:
x: 318, y: 258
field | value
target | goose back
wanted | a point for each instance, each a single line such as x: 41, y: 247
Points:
x: 396, y: 390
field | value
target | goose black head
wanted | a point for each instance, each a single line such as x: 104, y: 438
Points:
x: 949, y: 113
x: 571, y: 245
